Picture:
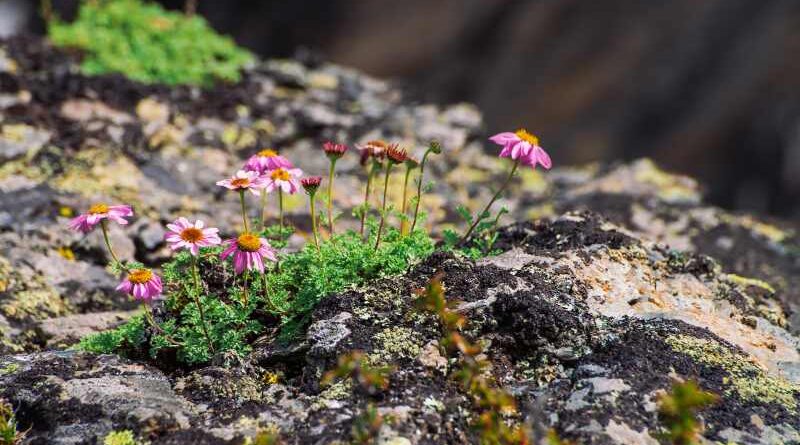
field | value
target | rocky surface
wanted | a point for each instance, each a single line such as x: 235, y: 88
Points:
x: 616, y: 280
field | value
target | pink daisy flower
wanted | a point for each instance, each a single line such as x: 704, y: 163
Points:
x: 248, y: 252
x: 141, y: 284
x: 266, y: 160
x: 98, y: 212
x: 283, y: 179
x: 523, y: 146
x: 184, y: 234
x: 244, y: 180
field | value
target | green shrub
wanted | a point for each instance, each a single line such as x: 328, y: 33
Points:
x: 147, y: 43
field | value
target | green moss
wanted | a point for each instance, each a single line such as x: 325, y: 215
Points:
x: 9, y: 435
x: 9, y: 369
x: 144, y: 42
x: 120, y: 438
x: 746, y: 379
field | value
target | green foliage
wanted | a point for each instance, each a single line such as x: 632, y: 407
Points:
x: 292, y: 290
x: 678, y: 411
x: 147, y: 43
x: 367, y: 426
x: 8, y: 426
x: 481, y: 243
x: 265, y: 437
x: 126, y: 338
x: 120, y: 438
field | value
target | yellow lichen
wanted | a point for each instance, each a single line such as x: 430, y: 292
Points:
x: 394, y: 343
x: 745, y: 282
x: 746, y: 378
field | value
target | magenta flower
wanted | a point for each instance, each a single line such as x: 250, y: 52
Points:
x: 244, y: 180
x: 248, y: 252
x: 523, y: 146
x: 184, y: 234
x: 334, y: 150
x: 266, y: 160
x: 142, y: 284
x: 98, y: 212
x: 283, y: 179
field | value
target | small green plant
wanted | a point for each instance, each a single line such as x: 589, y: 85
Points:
x: 493, y: 403
x: 120, y: 438
x: 147, y: 43
x: 678, y: 412
x: 484, y: 235
x: 265, y: 437
x: 9, y: 435
x: 371, y: 380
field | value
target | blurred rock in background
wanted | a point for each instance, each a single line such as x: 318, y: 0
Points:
x: 705, y: 88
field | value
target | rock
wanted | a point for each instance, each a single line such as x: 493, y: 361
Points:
x: 62, y: 332
x: 18, y: 140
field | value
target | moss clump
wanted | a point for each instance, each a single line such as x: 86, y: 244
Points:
x: 128, y: 337
x: 9, y: 435
x: 147, y: 43
x: 120, y: 438
x: 746, y: 379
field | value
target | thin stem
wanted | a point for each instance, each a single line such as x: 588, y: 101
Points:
x: 244, y: 211
x: 280, y: 209
x: 263, y: 211
x: 404, y: 203
x: 104, y: 227
x: 366, y: 198
x: 330, y: 197
x: 244, y: 290
x: 383, y: 207
x: 314, y: 221
x: 197, y: 291
x: 479, y: 216
x: 419, y: 188
x: 152, y: 322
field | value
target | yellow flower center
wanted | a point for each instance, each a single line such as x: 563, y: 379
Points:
x: 241, y: 183
x: 248, y: 242
x: 140, y: 276
x: 191, y: 234
x: 280, y: 174
x: 527, y: 137
x: 268, y: 153
x: 98, y: 208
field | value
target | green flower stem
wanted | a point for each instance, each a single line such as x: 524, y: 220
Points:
x: 330, y: 196
x: 314, y: 221
x: 263, y: 211
x: 419, y: 188
x: 197, y: 291
x: 404, y: 203
x: 104, y: 228
x: 244, y: 211
x: 280, y: 209
x: 370, y: 177
x: 383, y: 207
x: 245, y: 300
x: 479, y: 216
x: 148, y: 315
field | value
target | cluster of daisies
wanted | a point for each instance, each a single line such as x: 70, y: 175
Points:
x: 268, y: 172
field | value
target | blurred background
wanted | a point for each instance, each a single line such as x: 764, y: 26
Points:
x: 710, y: 88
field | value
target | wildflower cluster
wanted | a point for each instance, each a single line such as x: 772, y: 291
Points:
x: 473, y: 374
x: 265, y: 280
